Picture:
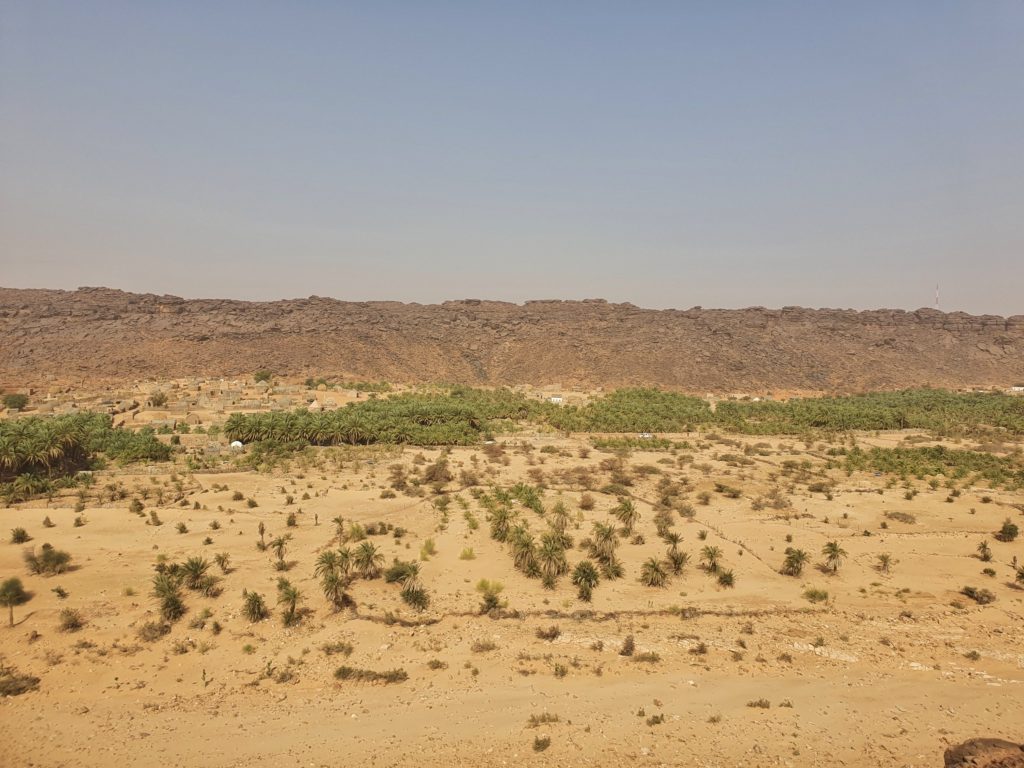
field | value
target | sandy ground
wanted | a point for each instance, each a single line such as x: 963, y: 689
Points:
x: 881, y: 674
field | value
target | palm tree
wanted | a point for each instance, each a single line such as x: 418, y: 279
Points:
x: 795, y: 561
x: 603, y: 547
x: 280, y: 548
x: 195, y: 569
x: 12, y: 593
x: 501, y: 523
x: 834, y: 555
x: 551, y: 559
x: 627, y: 514
x: 255, y: 608
x: 985, y: 552
x: 524, y: 549
x: 710, y: 556
x: 167, y: 590
x: 289, y: 596
x: 884, y: 562
x: 335, y: 588
x: 676, y: 560
x: 333, y: 569
x: 652, y: 573
x: 367, y: 560
x: 585, y: 578
x: 673, y: 539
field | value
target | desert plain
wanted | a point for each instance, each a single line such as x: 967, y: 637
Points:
x: 873, y: 657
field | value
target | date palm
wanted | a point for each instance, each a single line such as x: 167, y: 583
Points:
x: 676, y: 560
x: 604, y: 542
x: 652, y: 573
x: 627, y: 514
x: 795, y: 561
x: 551, y: 559
x: 585, y: 577
x: 280, y: 548
x: 288, y: 595
x: 710, y: 556
x: 367, y: 560
x: 195, y: 569
x: 167, y: 589
x: 884, y: 562
x: 254, y: 607
x: 834, y: 555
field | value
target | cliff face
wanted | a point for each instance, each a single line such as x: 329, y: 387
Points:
x: 94, y: 335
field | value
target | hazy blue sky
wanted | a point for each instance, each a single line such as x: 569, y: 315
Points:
x: 665, y: 153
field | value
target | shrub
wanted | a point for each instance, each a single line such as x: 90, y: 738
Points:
x: 628, y: 646
x: 1008, y: 532
x: 759, y: 704
x: 342, y: 647
x: 48, y: 562
x: 980, y: 596
x: 15, y: 401
x: 70, y: 620
x: 351, y: 674
x: 540, y: 743
x: 153, y: 630
x: 816, y: 595
x: 483, y: 646
x: 550, y: 634
x: 19, y: 536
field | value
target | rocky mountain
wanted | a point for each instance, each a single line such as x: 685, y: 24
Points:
x: 95, y: 335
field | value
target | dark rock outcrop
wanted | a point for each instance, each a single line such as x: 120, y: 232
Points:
x: 94, y: 335
x: 985, y: 753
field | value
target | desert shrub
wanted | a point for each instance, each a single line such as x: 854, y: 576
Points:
x: 980, y: 596
x: 628, y: 646
x: 540, y: 743
x: 153, y: 630
x: 550, y: 633
x: 759, y: 703
x: 15, y: 401
x: 902, y: 517
x: 1008, y: 532
x: 48, y: 561
x: 338, y: 647
x: 70, y: 620
x: 351, y: 674
x: 648, y: 657
x: 19, y: 536
x: 483, y: 646
x: 816, y: 595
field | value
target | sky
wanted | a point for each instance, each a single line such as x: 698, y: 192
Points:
x: 669, y: 154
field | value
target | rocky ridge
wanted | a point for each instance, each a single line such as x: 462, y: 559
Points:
x: 95, y: 335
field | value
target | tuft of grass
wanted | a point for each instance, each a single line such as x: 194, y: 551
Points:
x: 550, y: 634
x: 330, y: 649
x: 816, y: 595
x: 647, y: 657
x: 544, y: 718
x: 483, y: 646
x: 759, y: 704
x: 540, y: 743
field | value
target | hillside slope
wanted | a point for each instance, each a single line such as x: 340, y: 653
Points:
x: 94, y: 335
